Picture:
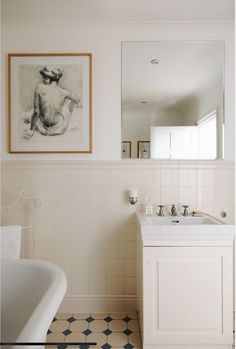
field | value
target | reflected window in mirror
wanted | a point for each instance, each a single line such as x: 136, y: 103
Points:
x: 173, y: 97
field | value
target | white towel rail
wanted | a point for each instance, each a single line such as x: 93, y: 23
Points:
x: 34, y: 204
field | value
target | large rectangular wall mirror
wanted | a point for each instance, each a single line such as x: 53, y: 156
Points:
x: 173, y: 99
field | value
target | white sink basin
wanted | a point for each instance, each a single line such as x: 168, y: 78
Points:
x: 168, y: 228
x: 180, y: 220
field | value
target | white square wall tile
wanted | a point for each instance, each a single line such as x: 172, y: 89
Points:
x: 79, y: 196
x: 60, y: 220
x: 128, y: 232
x: 116, y: 196
x: 169, y: 196
x: 101, y: 232
x: 97, y: 285
x: 78, y: 215
x: 224, y: 178
x: 156, y: 178
x: 155, y: 196
x: 116, y: 249
x: 98, y: 249
x: 79, y: 178
x: 187, y: 178
x: 98, y: 195
x: 115, y: 286
x: 130, y: 250
x: 48, y: 184
x: 98, y: 177
x: 120, y: 213
x: 205, y: 196
x: 62, y: 248
x: 44, y: 222
x: 97, y: 267
x: 130, y: 287
x: 169, y: 178
x: 115, y: 267
x: 44, y: 249
x: 115, y: 177
x: 188, y: 196
x: 130, y: 267
x: 79, y: 233
x: 223, y: 196
x: 148, y: 176
x: 205, y: 178
x: 98, y: 214
x: 79, y: 276
x: 133, y: 178
x: 79, y: 248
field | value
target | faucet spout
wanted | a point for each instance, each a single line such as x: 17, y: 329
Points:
x: 161, y: 212
x: 185, y: 213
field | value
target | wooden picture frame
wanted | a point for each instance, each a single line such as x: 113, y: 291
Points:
x: 50, y: 102
x: 126, y: 150
x: 143, y: 149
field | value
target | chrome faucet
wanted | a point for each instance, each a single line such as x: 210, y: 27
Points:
x: 161, y: 213
x: 185, y: 213
x: 173, y: 210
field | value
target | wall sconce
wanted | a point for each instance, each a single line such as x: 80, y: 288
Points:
x: 133, y: 196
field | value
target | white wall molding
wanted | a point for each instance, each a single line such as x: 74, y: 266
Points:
x: 119, y: 164
x: 105, y: 296
x: 103, y: 303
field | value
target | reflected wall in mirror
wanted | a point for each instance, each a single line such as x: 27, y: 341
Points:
x: 173, y: 96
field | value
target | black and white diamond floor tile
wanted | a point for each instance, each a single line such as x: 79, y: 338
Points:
x: 113, y: 330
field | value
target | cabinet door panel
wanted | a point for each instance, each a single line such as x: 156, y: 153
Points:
x: 187, y: 294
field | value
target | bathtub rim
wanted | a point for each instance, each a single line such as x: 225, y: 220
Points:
x: 35, y: 328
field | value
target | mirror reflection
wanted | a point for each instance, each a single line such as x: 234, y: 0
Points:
x: 172, y: 100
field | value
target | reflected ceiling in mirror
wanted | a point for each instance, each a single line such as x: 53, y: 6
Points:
x: 172, y: 91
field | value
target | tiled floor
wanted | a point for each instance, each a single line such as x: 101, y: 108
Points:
x: 108, y: 330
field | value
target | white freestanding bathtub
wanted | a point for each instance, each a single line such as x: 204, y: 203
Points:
x: 31, y: 293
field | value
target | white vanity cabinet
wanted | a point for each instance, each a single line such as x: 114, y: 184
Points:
x: 185, y: 291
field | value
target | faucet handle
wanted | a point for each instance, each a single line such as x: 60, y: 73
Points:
x: 185, y: 213
x: 161, y: 213
x: 173, y: 210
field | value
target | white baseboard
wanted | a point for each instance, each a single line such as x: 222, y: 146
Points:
x: 93, y: 304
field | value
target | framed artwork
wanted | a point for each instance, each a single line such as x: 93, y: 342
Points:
x: 143, y: 149
x: 126, y: 150
x: 50, y: 102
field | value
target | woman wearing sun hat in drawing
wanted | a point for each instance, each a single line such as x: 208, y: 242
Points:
x: 53, y: 105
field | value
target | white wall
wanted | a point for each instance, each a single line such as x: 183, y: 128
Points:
x: 136, y: 127
x: 103, y: 40
x: 87, y: 226
x: 171, y: 117
x: 209, y: 98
